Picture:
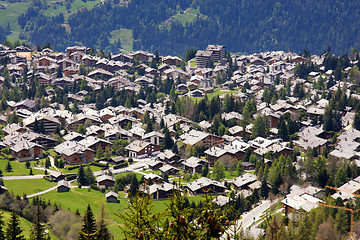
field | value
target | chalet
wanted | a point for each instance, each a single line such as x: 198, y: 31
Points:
x: 170, y: 157
x: 152, y: 177
x: 154, y: 138
x: 26, y: 104
x: 63, y: 186
x: 100, y: 74
x: 74, y: 136
x: 112, y: 197
x: 57, y: 176
x: 122, y: 57
x: 160, y: 191
x: 75, y: 153
x: 70, y: 50
x: 194, y: 137
x: 24, y: 150
x: 62, y: 82
x: 117, y: 160
x: 142, y: 56
x: 105, y: 181
x: 202, y: 58
x: 248, y: 166
x: 169, y: 170
x: 11, y: 128
x: 194, y: 164
x: 81, y: 118
x: 205, y: 184
x: 172, y: 60
x: 182, y: 88
x: 138, y: 149
x: 243, y: 181
x: 49, y: 123
x: 94, y: 143
x: 154, y: 164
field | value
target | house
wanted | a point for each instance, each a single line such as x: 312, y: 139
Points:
x: 248, y: 166
x: 57, y: 176
x: 117, y: 160
x: 243, y: 181
x: 195, y: 137
x: 194, y: 164
x: 105, y: 181
x: 26, y: 104
x: 24, y: 150
x: 75, y: 153
x: 169, y: 157
x: 169, y: 170
x: 112, y: 197
x: 154, y: 137
x: 160, y: 191
x: 154, y: 164
x: 138, y: 149
x: 94, y: 143
x: 63, y: 186
x: 304, y: 202
x: 49, y: 123
x: 203, y: 184
x: 153, y: 178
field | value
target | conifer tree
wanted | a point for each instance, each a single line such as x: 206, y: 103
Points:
x: 88, y: 230
x: 2, y: 233
x: 103, y: 233
x: 38, y: 231
x: 13, y: 230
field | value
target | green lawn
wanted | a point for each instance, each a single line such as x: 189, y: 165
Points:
x: 77, y: 5
x: 125, y: 36
x: 18, y: 168
x: 217, y: 92
x: 29, y: 186
x: 188, y: 16
x: 11, y: 14
x: 138, y: 175
x: 80, y: 198
x: 76, y: 170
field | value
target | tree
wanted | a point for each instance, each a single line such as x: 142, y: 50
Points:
x: 205, y: 170
x: 59, y: 73
x: 168, y: 142
x: 260, y: 127
x: 239, y: 168
x: 38, y: 231
x: 2, y: 223
x: 88, y: 230
x: 219, y: 170
x: 13, y: 230
x: 264, y: 189
x: 81, y: 176
x: 81, y: 129
x: 356, y: 123
x: 134, y: 187
x: 103, y: 232
x: 8, y: 167
x: 47, y: 163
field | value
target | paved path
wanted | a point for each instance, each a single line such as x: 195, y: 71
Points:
x: 248, y: 220
x: 39, y: 176
x: 42, y: 192
x: 52, y: 161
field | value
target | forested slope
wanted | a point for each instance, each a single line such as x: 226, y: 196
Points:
x: 240, y: 25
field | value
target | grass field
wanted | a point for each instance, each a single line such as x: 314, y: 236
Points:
x: 125, y: 36
x: 188, y: 16
x: 217, y: 92
x: 80, y: 198
x: 18, y: 168
x: 77, y: 5
x: 30, y: 186
x: 11, y: 14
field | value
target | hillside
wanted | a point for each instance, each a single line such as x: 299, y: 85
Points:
x: 172, y: 27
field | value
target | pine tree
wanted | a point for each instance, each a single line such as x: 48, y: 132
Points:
x: 13, y: 230
x: 134, y: 186
x: 38, y: 231
x: 8, y: 167
x: 81, y: 176
x: 2, y: 223
x: 88, y: 231
x: 103, y: 233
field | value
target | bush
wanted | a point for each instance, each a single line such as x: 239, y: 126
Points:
x: 121, y: 165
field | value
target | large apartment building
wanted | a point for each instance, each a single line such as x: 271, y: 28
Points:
x: 212, y: 53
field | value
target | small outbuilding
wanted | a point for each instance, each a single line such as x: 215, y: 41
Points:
x: 63, y: 186
x: 112, y: 197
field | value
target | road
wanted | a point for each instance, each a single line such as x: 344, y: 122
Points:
x: 42, y: 192
x: 248, y: 219
x: 39, y: 176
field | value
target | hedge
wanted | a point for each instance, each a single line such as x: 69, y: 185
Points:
x: 121, y: 165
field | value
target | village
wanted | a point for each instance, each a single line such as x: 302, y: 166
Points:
x: 269, y: 132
